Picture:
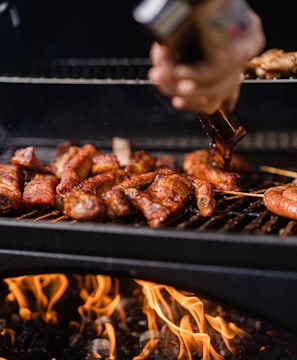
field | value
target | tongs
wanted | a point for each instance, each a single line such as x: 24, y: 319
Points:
x: 170, y: 22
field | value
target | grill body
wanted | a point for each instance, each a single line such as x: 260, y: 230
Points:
x: 249, y: 267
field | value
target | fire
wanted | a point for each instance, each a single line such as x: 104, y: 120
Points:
x: 166, y: 310
x: 190, y: 329
x: 37, y: 295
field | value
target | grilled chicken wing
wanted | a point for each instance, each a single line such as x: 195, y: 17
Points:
x: 163, y: 198
x: 197, y: 164
x: 115, y: 199
x: 77, y: 169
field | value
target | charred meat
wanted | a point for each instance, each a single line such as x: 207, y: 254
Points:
x: 40, y: 191
x: 11, y: 182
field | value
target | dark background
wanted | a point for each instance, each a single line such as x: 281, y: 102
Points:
x: 106, y: 29
x: 96, y: 28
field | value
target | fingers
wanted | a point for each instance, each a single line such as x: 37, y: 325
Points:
x: 161, y: 74
x: 200, y: 87
x: 193, y: 96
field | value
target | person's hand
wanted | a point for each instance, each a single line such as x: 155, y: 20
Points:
x: 214, y: 81
x: 198, y: 87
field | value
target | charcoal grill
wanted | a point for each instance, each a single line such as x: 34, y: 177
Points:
x: 243, y: 256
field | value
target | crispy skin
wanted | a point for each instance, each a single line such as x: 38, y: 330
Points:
x: 27, y: 158
x: 77, y: 169
x: 197, y: 164
x: 104, y: 162
x: 273, y: 63
x: 63, y: 158
x: 80, y: 203
x: 100, y: 183
x: 85, y: 207
x: 40, y: 191
x: 115, y: 199
x: 204, y: 197
x: 154, y: 212
x: 163, y: 198
x: 11, y: 181
x: 140, y: 163
x: 282, y: 200
x: 173, y: 191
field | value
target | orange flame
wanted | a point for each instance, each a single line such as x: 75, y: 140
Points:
x: 101, y: 298
x: 182, y: 313
x: 191, y: 329
x: 37, y: 295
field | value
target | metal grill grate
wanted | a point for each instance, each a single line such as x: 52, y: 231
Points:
x: 112, y: 68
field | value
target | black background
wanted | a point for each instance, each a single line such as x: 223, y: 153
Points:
x: 103, y: 29
x: 96, y: 28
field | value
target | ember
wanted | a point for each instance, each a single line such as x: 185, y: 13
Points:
x: 84, y: 317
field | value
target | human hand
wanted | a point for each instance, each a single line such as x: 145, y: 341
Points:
x: 213, y: 81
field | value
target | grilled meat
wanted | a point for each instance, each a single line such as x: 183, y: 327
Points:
x: 100, y: 183
x: 63, y: 158
x: 77, y: 169
x: 197, y: 164
x: 154, y: 212
x: 282, y: 200
x: 204, y: 197
x: 273, y: 63
x: 165, y: 196
x: 27, y: 158
x: 115, y: 200
x: 80, y: 203
x: 11, y: 181
x: 145, y: 184
x: 140, y: 163
x: 40, y: 191
x: 85, y: 207
x: 104, y: 162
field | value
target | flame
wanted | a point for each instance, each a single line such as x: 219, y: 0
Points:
x: 191, y: 330
x: 37, y: 295
x: 164, y: 306
x: 101, y: 298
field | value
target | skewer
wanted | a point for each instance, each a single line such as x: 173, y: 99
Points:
x: 238, y: 193
x: 52, y: 213
x: 276, y: 171
x: 59, y: 219
x: 27, y: 215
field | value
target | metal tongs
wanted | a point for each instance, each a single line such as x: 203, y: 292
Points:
x: 170, y: 22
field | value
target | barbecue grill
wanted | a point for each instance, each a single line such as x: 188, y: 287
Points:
x: 243, y: 255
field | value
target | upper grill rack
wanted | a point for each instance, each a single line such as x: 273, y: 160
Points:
x: 111, y: 68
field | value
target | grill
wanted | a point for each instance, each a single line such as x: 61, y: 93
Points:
x: 220, y: 257
x: 243, y: 256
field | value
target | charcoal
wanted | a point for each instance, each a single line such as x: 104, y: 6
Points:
x: 35, y: 335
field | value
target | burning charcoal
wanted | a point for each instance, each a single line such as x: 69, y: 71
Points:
x: 37, y: 341
x: 77, y: 347
x: 100, y: 346
x: 2, y: 323
x: 5, y: 344
x: 147, y: 335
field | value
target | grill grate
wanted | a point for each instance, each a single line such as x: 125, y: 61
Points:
x: 234, y: 214
x: 111, y: 68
